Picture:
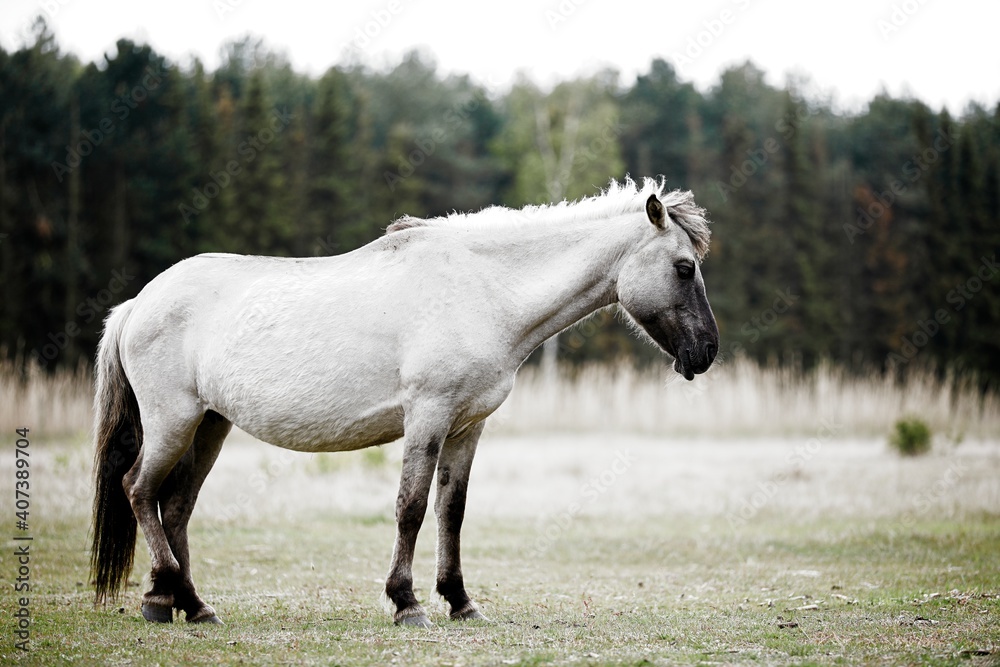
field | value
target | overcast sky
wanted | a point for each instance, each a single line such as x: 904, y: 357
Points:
x: 945, y: 53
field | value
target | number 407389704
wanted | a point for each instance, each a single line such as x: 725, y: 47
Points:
x: 22, y: 474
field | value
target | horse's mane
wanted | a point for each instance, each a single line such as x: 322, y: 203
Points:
x: 617, y: 199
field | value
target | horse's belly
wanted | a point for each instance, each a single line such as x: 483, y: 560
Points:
x: 308, y: 430
x: 319, y: 389
x: 308, y: 407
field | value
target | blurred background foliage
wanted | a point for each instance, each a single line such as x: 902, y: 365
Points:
x: 856, y: 237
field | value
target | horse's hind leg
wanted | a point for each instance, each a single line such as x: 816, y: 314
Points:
x: 166, y: 437
x: 177, y: 498
x: 453, y: 469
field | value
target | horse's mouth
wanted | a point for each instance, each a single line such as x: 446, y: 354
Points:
x: 682, y: 359
x: 682, y: 364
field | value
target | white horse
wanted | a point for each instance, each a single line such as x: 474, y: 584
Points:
x: 417, y: 335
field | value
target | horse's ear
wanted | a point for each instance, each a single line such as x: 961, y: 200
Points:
x: 656, y: 213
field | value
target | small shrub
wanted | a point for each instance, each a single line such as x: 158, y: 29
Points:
x: 911, y: 437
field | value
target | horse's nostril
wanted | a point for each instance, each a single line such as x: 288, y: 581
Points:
x: 710, y: 350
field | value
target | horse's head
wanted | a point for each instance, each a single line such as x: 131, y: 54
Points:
x: 661, y: 288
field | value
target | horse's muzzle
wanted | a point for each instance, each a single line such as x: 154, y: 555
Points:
x: 693, y: 360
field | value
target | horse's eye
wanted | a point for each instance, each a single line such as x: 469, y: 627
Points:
x: 685, y: 271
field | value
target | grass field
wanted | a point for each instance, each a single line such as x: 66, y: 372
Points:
x: 590, y: 549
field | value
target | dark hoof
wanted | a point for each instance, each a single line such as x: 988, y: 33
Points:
x: 468, y: 614
x: 417, y: 621
x: 157, y: 613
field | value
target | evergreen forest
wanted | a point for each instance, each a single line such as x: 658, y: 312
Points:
x: 866, y: 238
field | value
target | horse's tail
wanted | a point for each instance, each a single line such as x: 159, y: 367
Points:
x: 118, y: 432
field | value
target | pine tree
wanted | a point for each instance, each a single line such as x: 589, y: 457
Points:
x: 256, y: 224
x: 807, y: 325
x: 205, y: 139
x: 404, y: 181
x: 35, y: 82
x: 331, y: 216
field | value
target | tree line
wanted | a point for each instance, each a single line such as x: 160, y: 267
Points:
x: 868, y: 238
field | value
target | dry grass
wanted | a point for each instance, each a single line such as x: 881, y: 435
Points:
x: 737, y: 398
x: 57, y: 403
x: 741, y: 398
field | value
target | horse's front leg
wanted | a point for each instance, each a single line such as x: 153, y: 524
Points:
x: 420, y: 454
x: 454, y: 465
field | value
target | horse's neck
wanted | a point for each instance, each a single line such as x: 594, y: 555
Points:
x: 559, y: 274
